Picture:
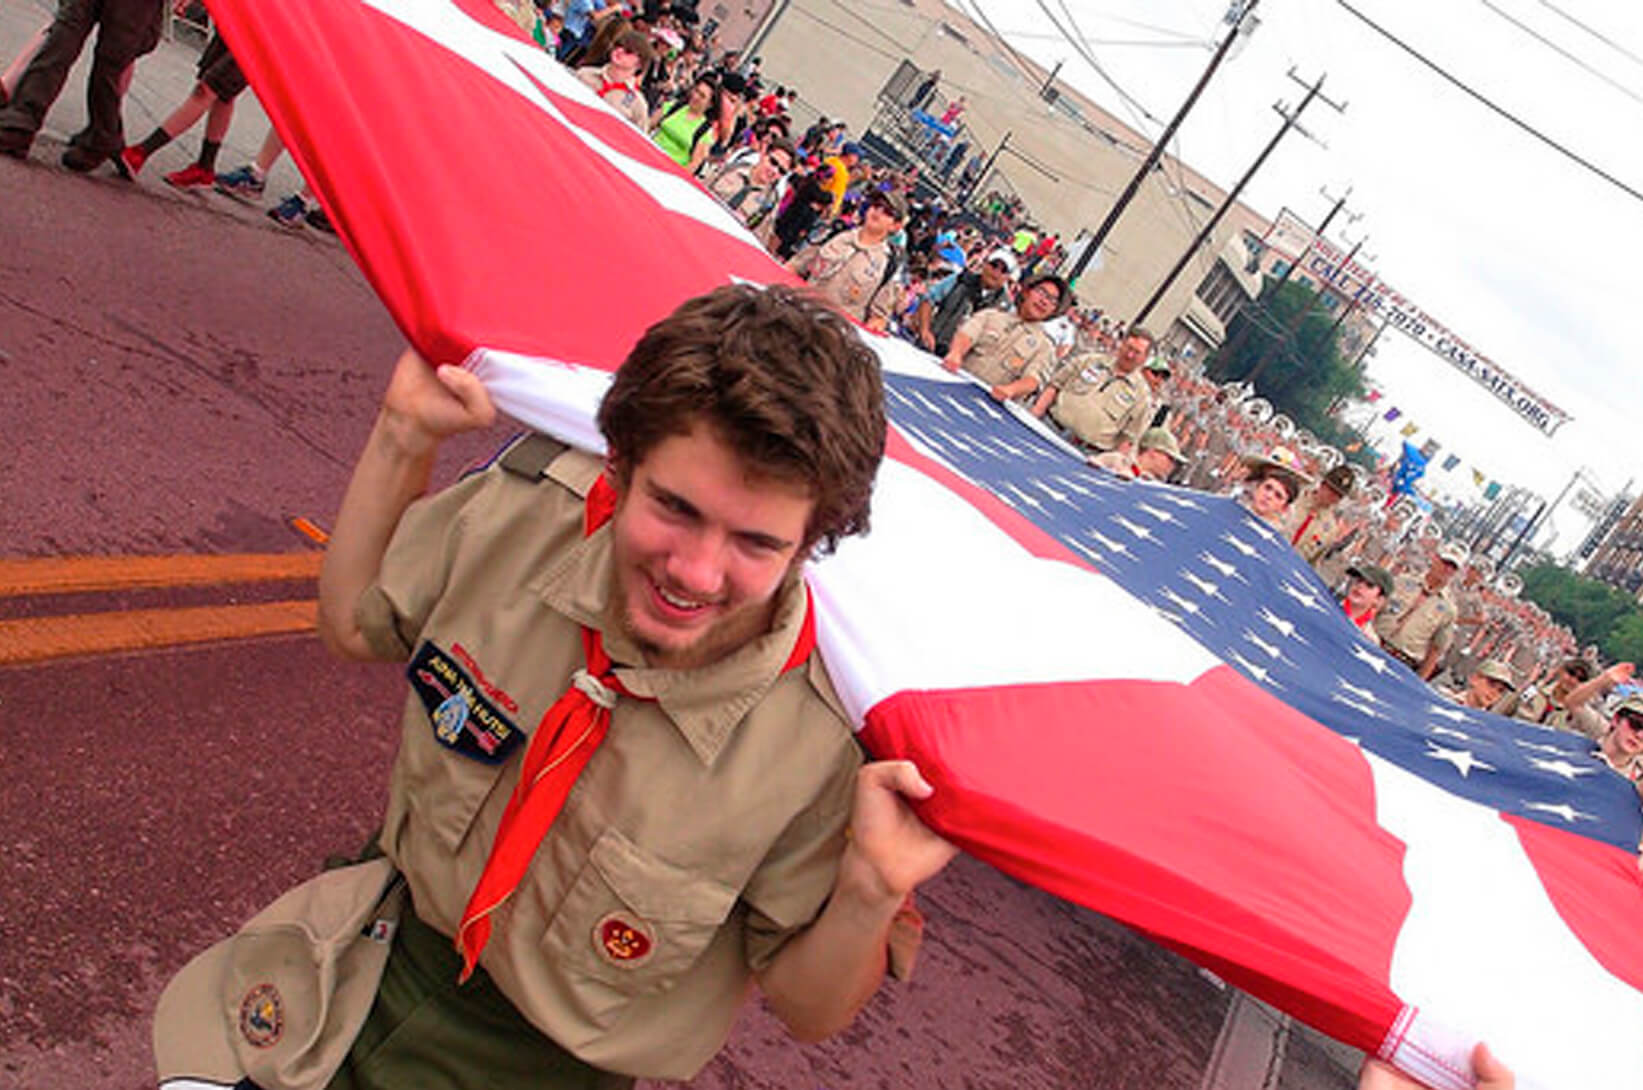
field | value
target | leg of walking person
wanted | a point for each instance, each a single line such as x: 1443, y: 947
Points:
x: 128, y: 29
x: 43, y: 78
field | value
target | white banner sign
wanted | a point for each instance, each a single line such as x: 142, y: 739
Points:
x: 1290, y: 236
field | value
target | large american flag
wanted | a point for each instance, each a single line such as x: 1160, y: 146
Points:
x: 1132, y: 695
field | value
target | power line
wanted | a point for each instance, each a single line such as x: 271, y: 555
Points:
x: 1075, y: 38
x: 1599, y: 35
x: 1500, y: 111
x: 1145, y: 43
x: 1560, y: 51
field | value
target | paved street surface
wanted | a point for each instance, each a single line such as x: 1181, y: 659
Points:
x: 180, y: 378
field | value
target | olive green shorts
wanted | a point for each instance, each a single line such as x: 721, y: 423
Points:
x: 426, y: 1030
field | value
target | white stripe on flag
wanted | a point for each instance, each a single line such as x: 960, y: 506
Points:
x: 1484, y: 947
x: 939, y: 597
x: 561, y: 399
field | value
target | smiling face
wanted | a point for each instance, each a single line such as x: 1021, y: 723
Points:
x: 1132, y: 353
x: 1626, y: 739
x: 700, y: 548
x: 1362, y: 596
x: 1039, y: 301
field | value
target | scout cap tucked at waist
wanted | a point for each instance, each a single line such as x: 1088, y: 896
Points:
x: 281, y: 1001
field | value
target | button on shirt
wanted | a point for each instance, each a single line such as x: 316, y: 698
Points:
x: 849, y: 274
x: 1004, y: 348
x: 1101, y: 407
x: 702, y: 835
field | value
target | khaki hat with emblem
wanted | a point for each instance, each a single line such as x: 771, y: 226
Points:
x: 1633, y: 704
x: 1341, y: 479
x: 281, y: 1002
x: 1282, y: 462
x: 1495, y: 670
x: 1161, y: 439
x: 1373, y: 574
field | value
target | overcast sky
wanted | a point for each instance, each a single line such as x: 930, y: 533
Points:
x: 1522, y: 253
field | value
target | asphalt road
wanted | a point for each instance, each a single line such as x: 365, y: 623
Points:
x: 181, y: 378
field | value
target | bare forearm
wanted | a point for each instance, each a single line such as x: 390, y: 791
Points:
x: 393, y: 470
x: 1045, y: 399
x: 824, y: 976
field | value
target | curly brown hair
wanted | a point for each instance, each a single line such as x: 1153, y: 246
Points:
x: 780, y: 377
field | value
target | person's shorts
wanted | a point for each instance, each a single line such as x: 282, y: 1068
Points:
x: 219, y: 71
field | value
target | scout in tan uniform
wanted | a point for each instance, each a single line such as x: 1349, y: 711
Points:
x: 1621, y: 746
x: 1419, y: 623
x: 1272, y: 483
x: 617, y: 80
x: 1102, y: 410
x: 1158, y: 457
x: 1012, y: 353
x: 1313, y: 524
x: 1367, y: 589
x: 1567, y: 704
x: 747, y: 191
x: 1488, y: 688
x: 849, y: 269
x: 636, y: 634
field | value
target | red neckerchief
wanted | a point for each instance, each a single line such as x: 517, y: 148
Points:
x: 1361, y: 622
x: 559, y: 750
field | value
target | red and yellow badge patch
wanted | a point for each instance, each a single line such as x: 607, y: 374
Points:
x: 623, y: 940
x: 262, y: 1016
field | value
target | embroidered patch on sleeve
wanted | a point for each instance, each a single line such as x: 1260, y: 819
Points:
x: 464, y: 718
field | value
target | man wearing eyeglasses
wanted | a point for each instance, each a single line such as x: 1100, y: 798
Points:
x: 950, y: 302
x: 1567, y: 703
x: 749, y: 190
x: 1012, y: 353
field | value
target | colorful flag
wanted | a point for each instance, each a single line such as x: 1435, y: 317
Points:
x: 1429, y: 449
x: 1373, y: 396
x: 1478, y: 478
x: 1492, y: 491
x: 1221, y: 762
x: 1451, y: 462
x: 1392, y: 414
x: 1409, y: 429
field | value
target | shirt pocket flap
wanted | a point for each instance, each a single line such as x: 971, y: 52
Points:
x: 656, y: 889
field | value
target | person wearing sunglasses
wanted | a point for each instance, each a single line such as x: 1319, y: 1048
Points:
x: 1622, y: 747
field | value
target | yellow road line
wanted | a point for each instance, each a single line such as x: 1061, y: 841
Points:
x: 67, y: 574
x: 38, y: 639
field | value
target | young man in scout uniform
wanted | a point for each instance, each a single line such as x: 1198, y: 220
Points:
x: 1368, y: 586
x: 1157, y: 458
x: 1568, y: 703
x: 1103, y: 411
x: 617, y: 80
x: 1012, y: 353
x: 625, y: 790
x: 1313, y: 524
x: 1488, y: 688
x: 851, y: 269
x: 1420, y: 622
x: 1272, y: 483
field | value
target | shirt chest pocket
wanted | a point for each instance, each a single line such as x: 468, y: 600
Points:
x: 445, y: 788
x: 631, y: 924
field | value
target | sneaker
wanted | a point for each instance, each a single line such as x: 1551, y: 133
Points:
x: 289, y: 212
x: 192, y: 176
x: 318, y: 220
x: 241, y: 183
x: 80, y: 160
x: 129, y: 161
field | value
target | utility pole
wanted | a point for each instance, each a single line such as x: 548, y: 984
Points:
x: 1159, y: 146
x: 1282, y: 343
x: 1044, y: 91
x: 1228, y: 351
x: 1291, y: 119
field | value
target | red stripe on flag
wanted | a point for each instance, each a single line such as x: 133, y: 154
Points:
x: 490, y: 213
x: 1596, y: 889
x: 1187, y: 851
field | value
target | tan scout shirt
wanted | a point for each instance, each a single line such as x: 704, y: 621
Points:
x: 1541, y: 708
x: 1004, y: 348
x: 1311, y: 532
x: 1416, y: 618
x: 738, y: 192
x: 625, y: 98
x: 709, y: 823
x: 1101, y: 408
x: 849, y: 274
